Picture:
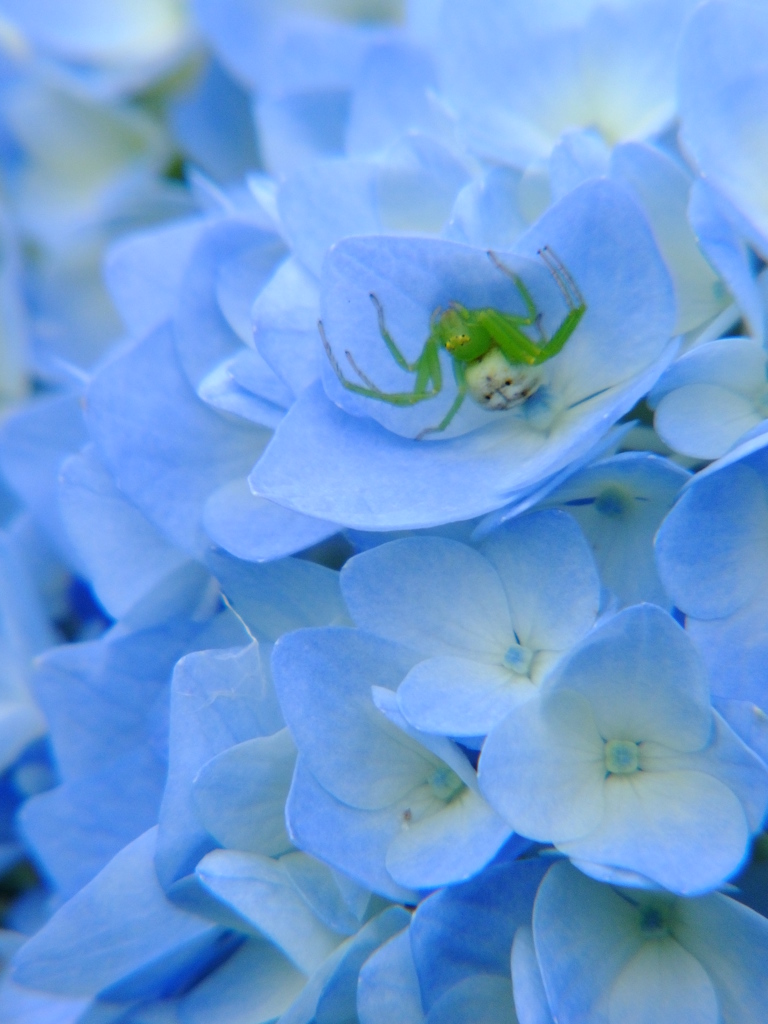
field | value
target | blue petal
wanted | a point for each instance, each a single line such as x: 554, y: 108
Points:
x: 468, y: 928
x: 119, y: 934
x: 126, y: 562
x: 389, y: 988
x: 202, y: 725
x: 255, y: 985
x: 346, y: 838
x: 253, y: 528
x: 144, y: 271
x: 232, y: 260
x: 168, y: 452
x: 280, y: 596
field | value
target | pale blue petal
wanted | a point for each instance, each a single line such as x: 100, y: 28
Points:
x: 331, y: 993
x: 577, y: 157
x: 705, y: 420
x: 86, y: 32
x: 584, y: 933
x: 460, y: 697
x: 255, y: 529
x: 662, y: 188
x: 129, y: 559
x: 487, y: 211
x: 240, y: 794
x: 392, y: 96
x: 748, y: 721
x: 33, y: 444
x: 323, y: 201
x: 725, y: 248
x: 468, y: 929
x: 434, y: 595
x: 167, y: 450
x: 120, y: 926
x: 20, y: 1005
x: 277, y: 597
x: 358, y: 756
x: 734, y: 651
x: 254, y: 986
x: 144, y: 270
x: 448, y: 846
x: 731, y: 943
x: 549, y: 576
x: 346, y: 838
x: 722, y: 96
x: 725, y: 758
x: 737, y: 364
x: 218, y: 698
x: 108, y: 698
x: 644, y: 680
x: 416, y: 185
x: 213, y: 123
x: 221, y: 391
x: 76, y: 828
x: 663, y: 984
x: 542, y: 768
x: 614, y: 72
x: 527, y: 984
x: 683, y: 829
x: 713, y: 580
x: 389, y: 988
x: 232, y: 261
x: 619, y: 503
x: 340, y: 902
x: 285, y: 316
x: 476, y: 1000
x: 261, y: 892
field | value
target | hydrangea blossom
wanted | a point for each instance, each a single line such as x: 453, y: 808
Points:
x: 621, y: 744
x: 378, y: 644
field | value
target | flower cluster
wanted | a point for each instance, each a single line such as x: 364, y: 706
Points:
x: 383, y: 512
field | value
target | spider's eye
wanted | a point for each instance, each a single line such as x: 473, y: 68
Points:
x: 457, y: 341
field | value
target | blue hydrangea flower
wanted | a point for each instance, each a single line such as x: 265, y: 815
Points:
x: 396, y: 809
x: 489, y: 624
x: 608, y: 953
x: 623, y: 764
x: 361, y: 466
x: 711, y: 553
x: 711, y: 396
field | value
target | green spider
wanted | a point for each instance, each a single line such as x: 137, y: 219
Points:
x: 493, y: 357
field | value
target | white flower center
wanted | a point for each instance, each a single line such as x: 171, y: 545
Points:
x: 445, y: 783
x: 621, y: 757
x: 519, y: 659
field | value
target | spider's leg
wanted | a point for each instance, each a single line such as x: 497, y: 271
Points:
x: 363, y: 377
x: 562, y: 334
x: 518, y: 282
x: 399, y: 398
x: 458, y: 372
x: 562, y: 277
x: 429, y: 370
x: 389, y: 341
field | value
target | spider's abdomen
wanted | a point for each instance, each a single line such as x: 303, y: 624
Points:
x: 497, y: 384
